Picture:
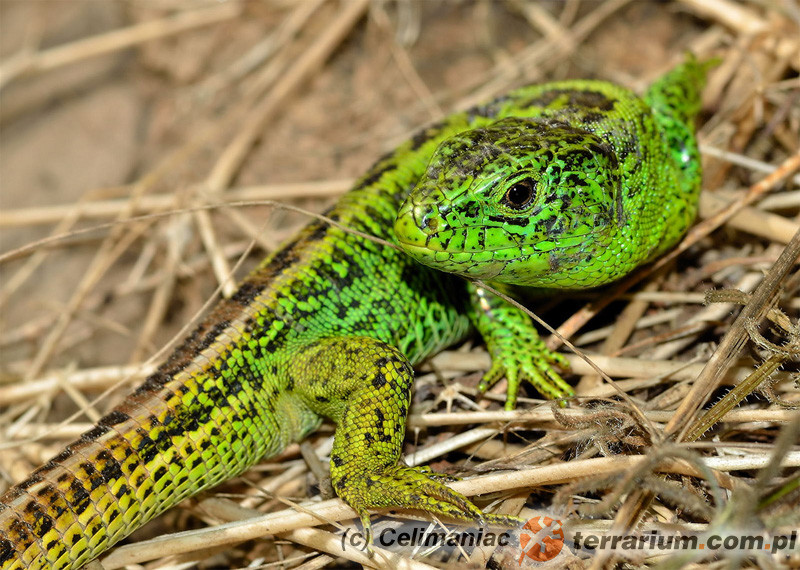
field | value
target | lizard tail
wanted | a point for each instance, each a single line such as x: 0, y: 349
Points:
x: 678, y: 94
x: 144, y: 457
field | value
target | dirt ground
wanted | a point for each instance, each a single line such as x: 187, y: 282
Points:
x: 110, y: 110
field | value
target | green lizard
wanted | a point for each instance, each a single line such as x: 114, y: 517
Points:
x: 330, y: 325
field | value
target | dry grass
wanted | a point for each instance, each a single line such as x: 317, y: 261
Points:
x: 108, y: 261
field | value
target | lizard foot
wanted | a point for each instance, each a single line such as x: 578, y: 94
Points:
x: 523, y: 356
x: 415, y: 488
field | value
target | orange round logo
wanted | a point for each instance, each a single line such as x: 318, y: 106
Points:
x: 541, y: 539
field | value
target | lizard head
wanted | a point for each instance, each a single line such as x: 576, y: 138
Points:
x: 526, y: 202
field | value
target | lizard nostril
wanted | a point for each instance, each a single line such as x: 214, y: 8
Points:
x: 427, y: 218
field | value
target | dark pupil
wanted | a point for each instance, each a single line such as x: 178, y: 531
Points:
x: 519, y: 194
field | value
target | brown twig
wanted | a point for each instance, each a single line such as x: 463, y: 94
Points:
x: 27, y: 64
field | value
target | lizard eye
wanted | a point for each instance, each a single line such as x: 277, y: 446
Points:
x: 520, y: 194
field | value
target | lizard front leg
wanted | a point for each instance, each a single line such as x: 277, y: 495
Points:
x: 517, y: 351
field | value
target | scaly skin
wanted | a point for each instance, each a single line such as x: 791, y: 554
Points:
x: 328, y: 326
x: 583, y: 184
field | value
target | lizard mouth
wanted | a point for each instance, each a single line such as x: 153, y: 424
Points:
x: 463, y: 263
